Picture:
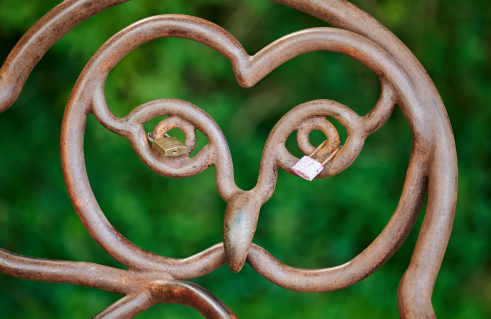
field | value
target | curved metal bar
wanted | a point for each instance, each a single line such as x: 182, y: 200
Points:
x: 368, y: 261
x: 351, y: 121
x: 42, y: 36
x: 382, y: 110
x: 319, y: 123
x: 69, y: 272
x: 194, y: 296
x: 187, y: 128
x: 128, y: 307
x: 215, y: 153
x: 191, y: 267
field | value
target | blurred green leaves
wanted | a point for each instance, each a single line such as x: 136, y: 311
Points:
x: 318, y: 224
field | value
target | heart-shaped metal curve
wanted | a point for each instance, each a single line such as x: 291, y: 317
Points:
x: 243, y: 206
x: 403, y: 81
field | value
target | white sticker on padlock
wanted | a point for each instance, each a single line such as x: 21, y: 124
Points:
x: 308, y: 168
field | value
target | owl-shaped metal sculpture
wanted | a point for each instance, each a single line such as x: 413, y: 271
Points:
x: 152, y: 278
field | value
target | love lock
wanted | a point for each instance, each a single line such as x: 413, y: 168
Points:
x: 168, y: 145
x: 308, y: 168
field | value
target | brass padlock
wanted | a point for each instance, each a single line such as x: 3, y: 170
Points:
x: 168, y: 145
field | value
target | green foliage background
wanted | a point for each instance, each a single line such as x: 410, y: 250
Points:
x: 312, y: 225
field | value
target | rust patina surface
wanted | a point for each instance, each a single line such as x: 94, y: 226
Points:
x: 152, y: 278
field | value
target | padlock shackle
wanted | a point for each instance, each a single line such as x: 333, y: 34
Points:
x: 150, y: 136
x: 330, y: 156
x: 318, y: 148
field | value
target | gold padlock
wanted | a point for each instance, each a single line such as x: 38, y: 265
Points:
x: 168, y: 145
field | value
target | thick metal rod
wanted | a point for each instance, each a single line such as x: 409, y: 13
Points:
x: 69, y: 272
x: 128, y: 307
x: 40, y: 37
x: 194, y: 296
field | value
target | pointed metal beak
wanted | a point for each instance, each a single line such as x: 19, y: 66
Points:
x: 239, y: 226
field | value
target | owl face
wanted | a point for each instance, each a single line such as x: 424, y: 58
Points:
x: 241, y: 215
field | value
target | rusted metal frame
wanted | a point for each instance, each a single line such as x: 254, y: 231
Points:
x: 437, y: 150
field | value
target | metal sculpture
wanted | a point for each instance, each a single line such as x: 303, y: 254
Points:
x: 152, y: 278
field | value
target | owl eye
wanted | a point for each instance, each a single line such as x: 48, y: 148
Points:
x: 181, y: 115
x: 311, y: 116
x: 170, y: 146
